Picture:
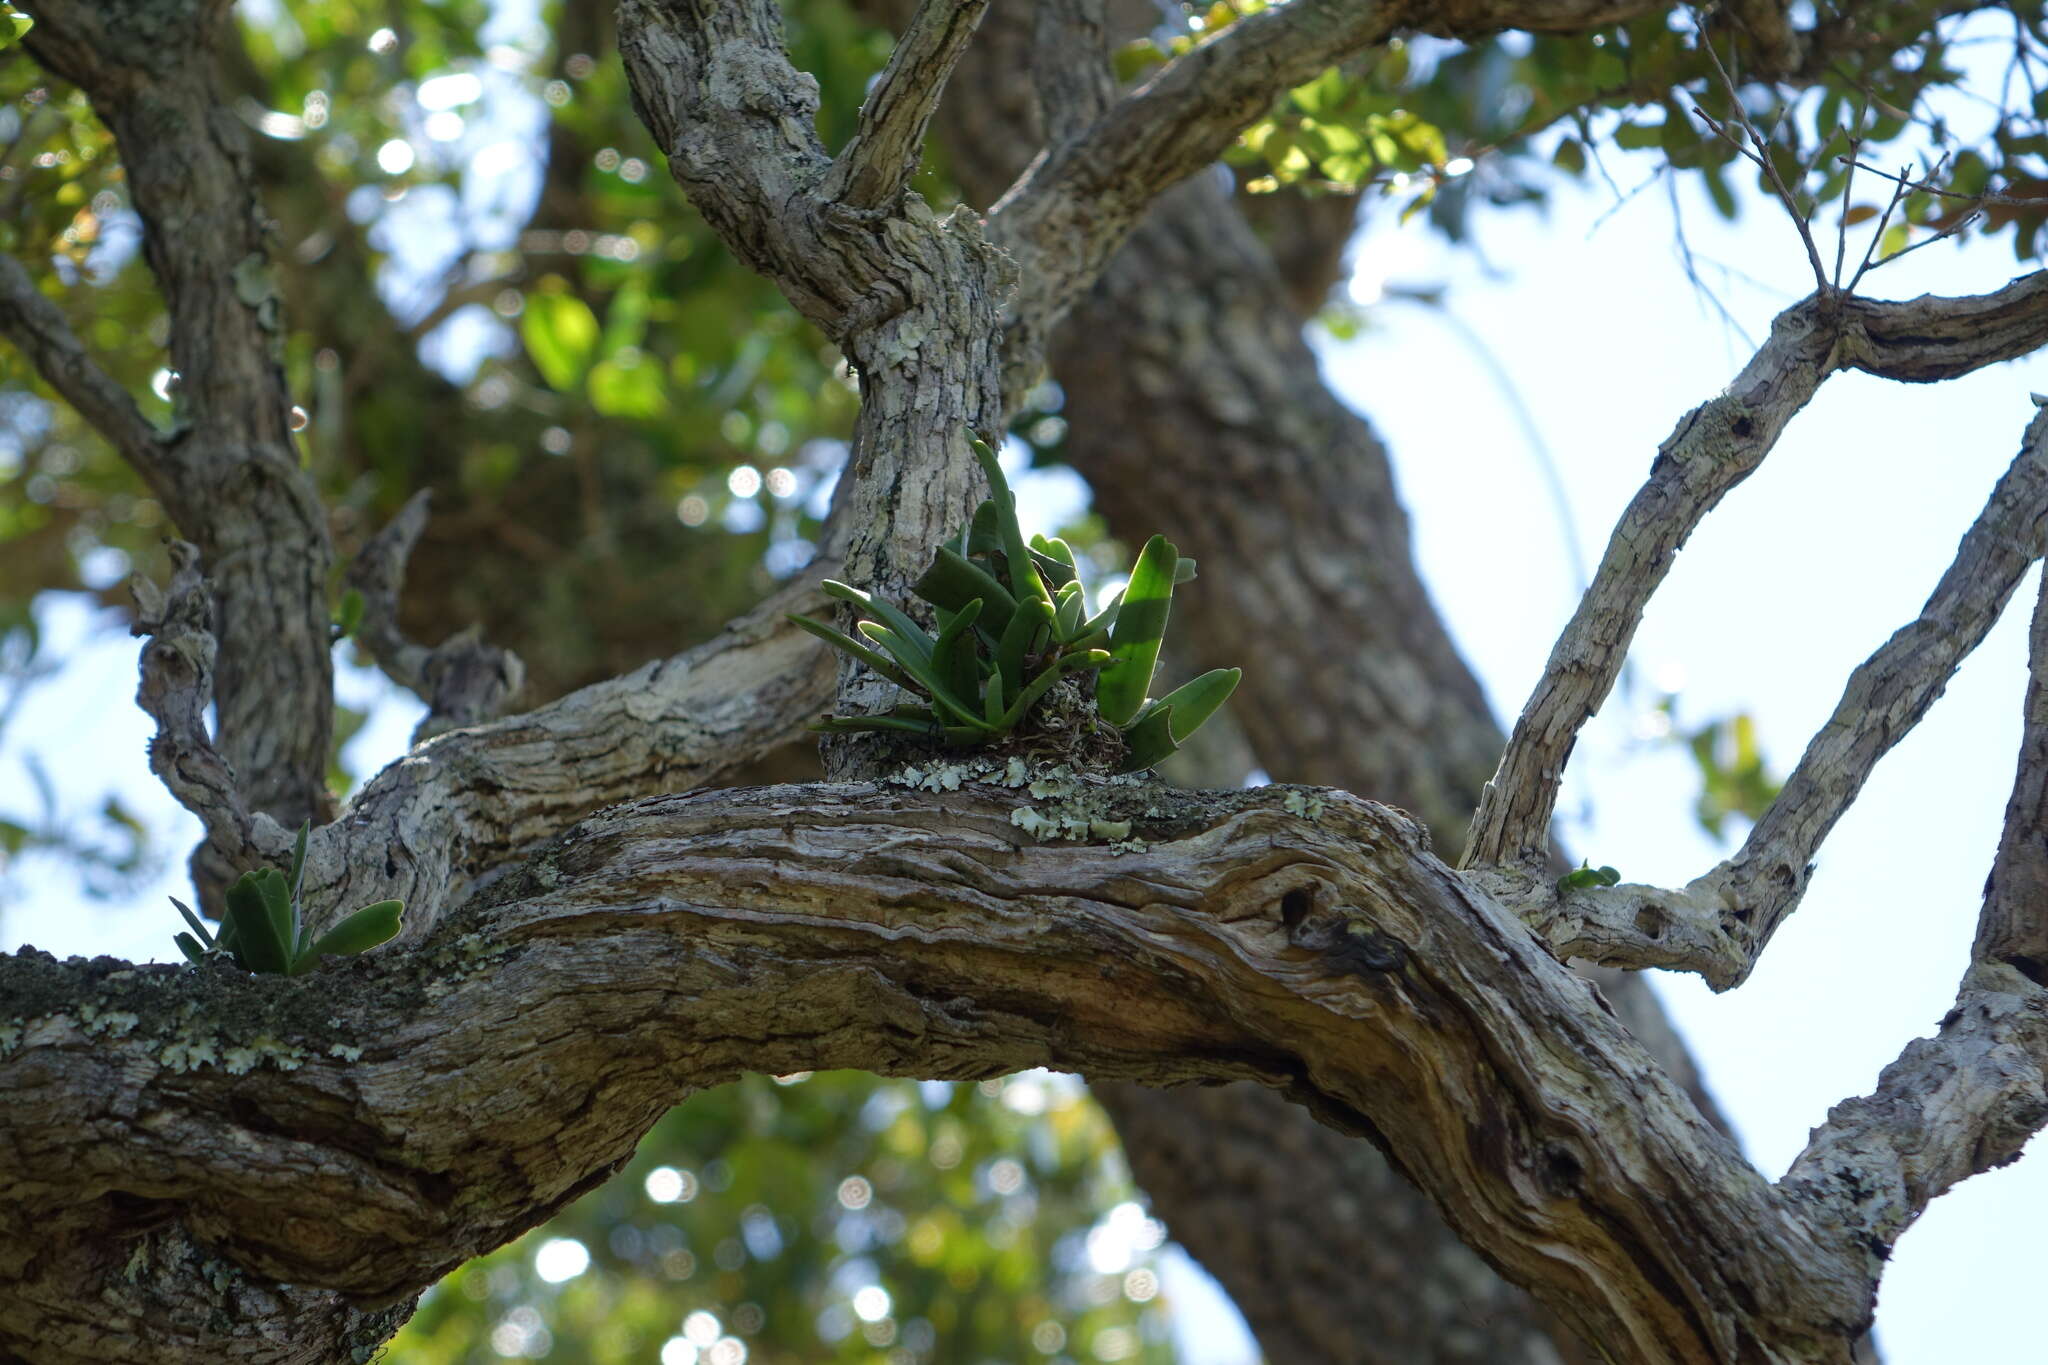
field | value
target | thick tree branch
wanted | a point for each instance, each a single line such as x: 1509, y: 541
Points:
x: 913, y: 300
x: 1715, y: 447
x: 873, y: 169
x: 671, y: 944
x: 1967, y: 1099
x: 231, y: 478
x: 37, y: 327
x: 463, y: 680
x: 1076, y: 204
x: 1070, y: 66
x: 430, y: 826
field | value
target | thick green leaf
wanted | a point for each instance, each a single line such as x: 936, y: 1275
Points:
x: 198, y: 925
x: 1068, y: 620
x: 954, y: 580
x: 560, y: 333
x: 366, y: 928
x: 1149, y: 740
x: 1032, y: 617
x: 919, y: 666
x: 874, y: 659
x: 1197, y: 699
x: 1025, y: 582
x: 189, y: 946
x: 277, y: 902
x: 888, y: 613
x: 260, y: 945
x: 953, y: 657
x: 846, y: 725
x: 1140, y: 624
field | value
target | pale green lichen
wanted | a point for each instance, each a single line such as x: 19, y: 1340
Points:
x: 10, y: 1036
x: 345, y: 1051
x: 114, y: 1024
x: 241, y: 1060
x: 1309, y: 805
x: 188, y: 1054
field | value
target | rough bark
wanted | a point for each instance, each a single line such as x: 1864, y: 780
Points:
x: 1296, y: 937
x: 229, y: 474
x: 412, y: 1109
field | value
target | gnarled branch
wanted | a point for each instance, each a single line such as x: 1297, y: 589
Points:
x: 1967, y: 1099
x: 1720, y: 924
x: 463, y: 680
x: 670, y: 944
x: 1715, y: 447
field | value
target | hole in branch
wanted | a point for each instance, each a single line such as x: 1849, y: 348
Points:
x: 1294, y: 908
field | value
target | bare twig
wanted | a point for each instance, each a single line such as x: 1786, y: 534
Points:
x: 1762, y: 157
x: 38, y: 328
x: 1848, y: 202
x: 463, y: 680
x: 1716, y: 446
x: 1720, y: 924
x: 177, y: 687
x: 873, y: 168
x: 1969, y: 1098
x: 1899, y: 189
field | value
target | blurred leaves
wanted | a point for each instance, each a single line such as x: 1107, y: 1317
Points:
x: 758, y: 1221
x: 1734, y: 778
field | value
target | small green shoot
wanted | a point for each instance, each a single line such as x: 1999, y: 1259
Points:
x: 263, y: 930
x: 1582, y: 878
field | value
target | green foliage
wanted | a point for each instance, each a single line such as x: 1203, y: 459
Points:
x: 1583, y: 877
x: 1734, y: 778
x: 997, y: 1218
x: 263, y: 930
x: 14, y: 25
x: 1013, y: 621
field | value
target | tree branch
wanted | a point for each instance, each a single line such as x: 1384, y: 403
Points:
x: 873, y: 168
x: 1720, y: 924
x: 463, y: 680
x: 177, y: 687
x: 434, y: 825
x: 232, y: 481
x: 1075, y: 205
x: 1715, y: 447
x: 1967, y: 1099
x: 1070, y: 66
x: 671, y: 944
x: 37, y: 327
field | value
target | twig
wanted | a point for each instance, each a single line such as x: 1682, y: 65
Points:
x: 873, y: 168
x: 1763, y: 159
x: 38, y: 327
x: 463, y: 680
x: 1719, y: 924
x: 1877, y: 234
x: 1716, y: 446
x: 176, y: 689
x: 1969, y: 1098
x: 1848, y: 200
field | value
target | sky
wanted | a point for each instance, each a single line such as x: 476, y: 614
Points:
x: 1800, y: 574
